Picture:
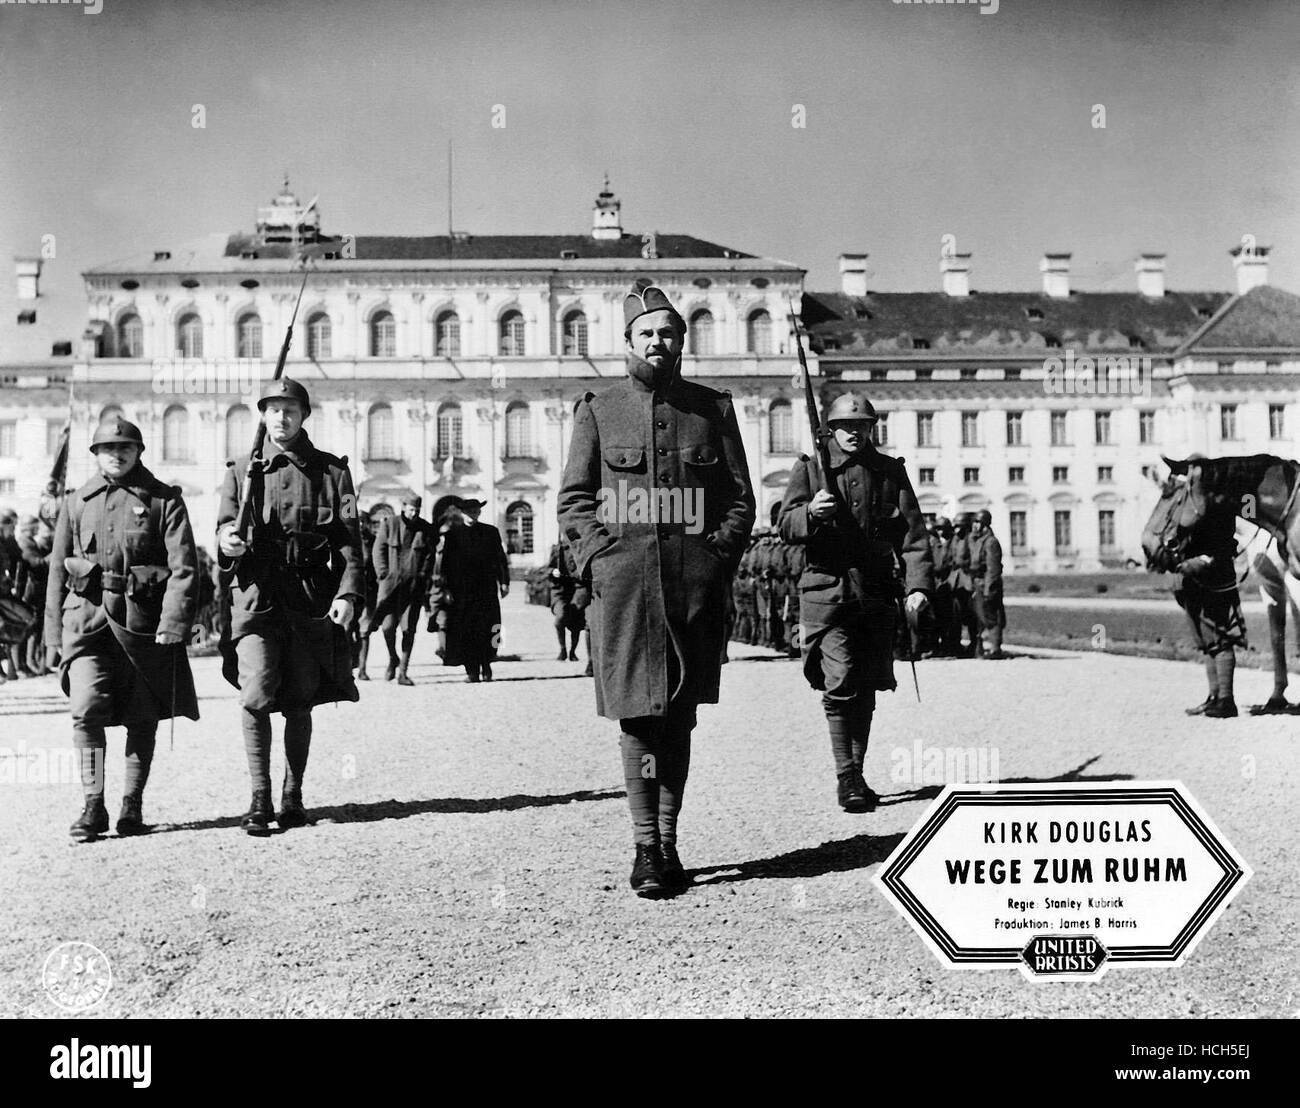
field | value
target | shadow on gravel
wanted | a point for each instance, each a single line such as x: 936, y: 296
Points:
x: 401, y: 809
x: 929, y: 792
x: 814, y: 861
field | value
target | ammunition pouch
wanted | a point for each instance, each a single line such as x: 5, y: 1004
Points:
x: 84, y: 578
x: 146, y: 585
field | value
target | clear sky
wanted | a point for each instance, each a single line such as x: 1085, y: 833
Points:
x: 922, y: 121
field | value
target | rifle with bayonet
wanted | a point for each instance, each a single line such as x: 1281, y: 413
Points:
x: 244, y: 519
x: 820, y: 439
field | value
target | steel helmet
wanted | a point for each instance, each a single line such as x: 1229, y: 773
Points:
x: 851, y: 405
x: 115, y: 429
x: 286, y: 388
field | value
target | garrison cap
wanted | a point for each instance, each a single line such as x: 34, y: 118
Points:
x: 984, y: 516
x: 115, y: 429
x: 851, y: 405
x: 644, y: 297
x: 286, y: 388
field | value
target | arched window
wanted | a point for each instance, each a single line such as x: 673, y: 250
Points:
x: 383, y: 335
x: 189, y: 336
x: 130, y: 337
x: 248, y: 336
x: 758, y: 332
x: 319, y: 336
x: 780, y: 427
x: 575, y: 335
x: 519, y: 430
x: 446, y: 335
x: 239, y: 430
x: 519, y: 528
x: 512, y: 335
x: 451, y: 431
x: 379, y: 433
x: 176, y: 434
x: 702, y: 333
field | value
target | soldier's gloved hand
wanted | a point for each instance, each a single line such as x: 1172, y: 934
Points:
x: 230, y: 544
x: 341, y: 611
x: 916, y: 601
x: 822, y: 505
x: 167, y: 638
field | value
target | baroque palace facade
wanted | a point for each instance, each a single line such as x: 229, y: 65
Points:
x: 452, y: 364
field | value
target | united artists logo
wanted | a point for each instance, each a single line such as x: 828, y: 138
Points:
x: 1080, y: 955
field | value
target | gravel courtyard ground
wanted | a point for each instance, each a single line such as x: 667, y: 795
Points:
x: 471, y: 850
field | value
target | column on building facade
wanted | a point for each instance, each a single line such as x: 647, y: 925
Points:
x: 751, y: 413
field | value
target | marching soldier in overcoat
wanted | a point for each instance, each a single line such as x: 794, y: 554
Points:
x: 402, y: 555
x: 119, y: 603
x: 986, y: 582
x: 296, y: 583
x: 659, y: 576
x: 849, y: 586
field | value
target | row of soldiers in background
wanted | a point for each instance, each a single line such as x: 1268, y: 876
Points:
x: 967, y: 602
x: 968, y: 591
x: 25, y: 546
x: 453, y: 567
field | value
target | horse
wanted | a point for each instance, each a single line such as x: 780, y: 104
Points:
x: 1261, y: 491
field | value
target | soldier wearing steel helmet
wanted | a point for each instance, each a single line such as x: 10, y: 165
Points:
x: 850, y: 582
x: 119, y: 603
x: 986, y: 582
x: 297, y: 579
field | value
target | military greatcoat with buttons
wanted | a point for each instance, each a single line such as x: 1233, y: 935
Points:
x: 123, y: 567
x: 305, y: 553
x: 659, y: 587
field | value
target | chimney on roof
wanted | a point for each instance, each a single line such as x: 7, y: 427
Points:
x: 606, y: 216
x: 28, y: 272
x: 1055, y: 269
x: 1251, y: 263
x: 955, y: 271
x: 853, y: 274
x: 1150, y: 270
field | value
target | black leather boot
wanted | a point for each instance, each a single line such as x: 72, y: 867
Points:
x: 1204, y: 707
x: 851, y: 792
x: 131, y: 819
x: 292, y: 813
x: 92, y: 822
x: 647, y: 872
x: 671, y: 865
x: 260, y: 813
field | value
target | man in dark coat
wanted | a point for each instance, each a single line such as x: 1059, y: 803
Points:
x: 403, y: 560
x: 569, y: 600
x: 297, y: 579
x: 986, y: 582
x: 119, y: 602
x: 363, y: 619
x: 964, y: 617
x: 36, y: 541
x: 13, y: 584
x: 656, y: 503
x: 849, y: 586
x: 941, y: 553
x: 474, y: 577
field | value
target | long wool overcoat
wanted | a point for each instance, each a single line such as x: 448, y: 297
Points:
x: 657, y: 506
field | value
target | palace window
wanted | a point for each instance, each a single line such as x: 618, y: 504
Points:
x: 1018, y: 533
x: 970, y: 428
x: 383, y: 335
x: 446, y: 335
x: 780, y: 427
x: 1058, y: 429
x: 519, y: 430
x: 380, y: 444
x: 575, y: 335
x: 1105, y: 474
x: 702, y: 333
x: 1227, y: 421
x: 1016, y: 475
x: 925, y: 429
x: 320, y: 339
x: 8, y: 438
x: 1015, y: 429
x: 511, y: 335
x: 519, y: 528
x: 239, y: 430
x: 970, y: 475
x: 451, y: 431
x: 880, y: 429
x: 1101, y: 424
x: 189, y: 336
x: 130, y: 337
x: 1063, y: 533
x: 925, y: 475
x: 1146, y: 427
x: 248, y: 336
x: 1060, y: 475
x: 1277, y: 421
x: 176, y: 434
x: 1106, y: 530
x: 758, y: 332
